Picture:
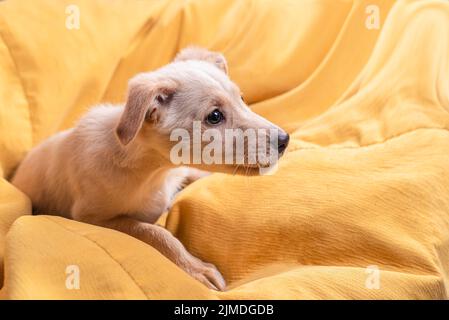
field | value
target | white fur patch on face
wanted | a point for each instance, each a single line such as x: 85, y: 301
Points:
x: 200, y: 84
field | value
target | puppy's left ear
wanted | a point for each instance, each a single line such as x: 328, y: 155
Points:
x: 146, y: 96
x: 196, y: 53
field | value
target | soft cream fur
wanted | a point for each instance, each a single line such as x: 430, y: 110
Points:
x: 113, y: 169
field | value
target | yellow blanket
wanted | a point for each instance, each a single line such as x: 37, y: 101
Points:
x: 359, y: 207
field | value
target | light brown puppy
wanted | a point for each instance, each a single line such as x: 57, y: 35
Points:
x: 113, y: 168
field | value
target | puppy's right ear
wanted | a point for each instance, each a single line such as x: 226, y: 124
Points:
x: 197, y: 53
x: 146, y: 95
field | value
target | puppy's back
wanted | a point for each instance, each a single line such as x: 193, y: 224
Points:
x: 52, y: 173
x: 42, y: 177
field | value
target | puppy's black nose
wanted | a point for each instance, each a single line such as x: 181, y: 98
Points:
x: 283, y: 140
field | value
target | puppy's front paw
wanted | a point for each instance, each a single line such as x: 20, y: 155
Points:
x: 207, y: 274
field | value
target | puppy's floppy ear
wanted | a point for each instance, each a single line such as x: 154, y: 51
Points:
x: 196, y: 53
x: 146, y: 94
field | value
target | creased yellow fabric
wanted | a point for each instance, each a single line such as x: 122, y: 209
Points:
x: 364, y: 185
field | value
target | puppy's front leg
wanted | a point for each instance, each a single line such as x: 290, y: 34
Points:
x: 163, y: 241
x: 193, y: 174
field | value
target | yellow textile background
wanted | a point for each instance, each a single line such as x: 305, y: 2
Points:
x: 364, y: 185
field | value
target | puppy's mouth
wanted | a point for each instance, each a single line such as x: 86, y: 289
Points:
x: 267, y: 161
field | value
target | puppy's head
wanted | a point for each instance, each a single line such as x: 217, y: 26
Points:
x: 194, y: 96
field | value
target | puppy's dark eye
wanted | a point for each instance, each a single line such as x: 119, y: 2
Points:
x: 160, y: 99
x: 215, y: 117
x: 243, y: 99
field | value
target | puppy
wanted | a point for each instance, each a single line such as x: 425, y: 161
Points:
x: 113, y: 168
